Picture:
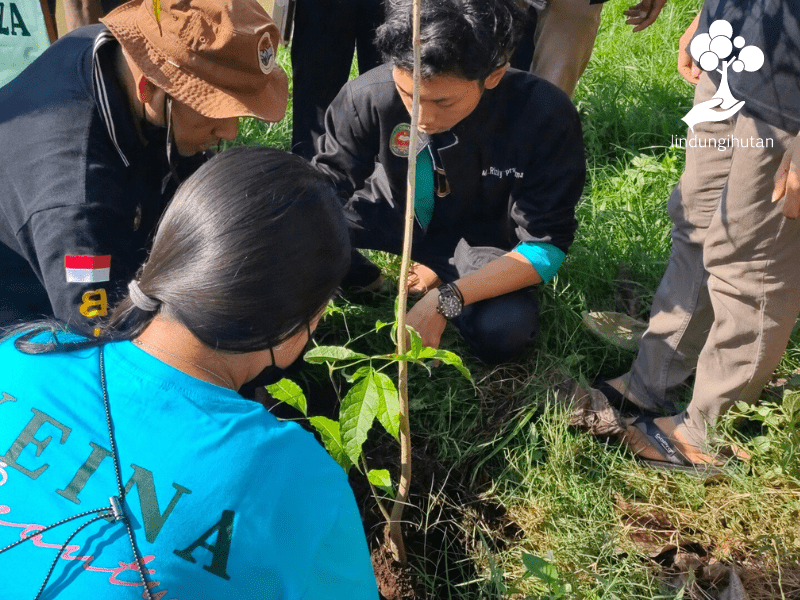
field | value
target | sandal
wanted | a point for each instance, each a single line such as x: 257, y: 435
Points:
x: 672, y: 458
x: 624, y: 405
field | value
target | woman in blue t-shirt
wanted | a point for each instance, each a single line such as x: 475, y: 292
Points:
x: 132, y: 468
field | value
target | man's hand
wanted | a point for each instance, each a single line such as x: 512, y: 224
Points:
x: 644, y: 14
x: 424, y: 317
x: 787, y: 181
x: 688, y: 69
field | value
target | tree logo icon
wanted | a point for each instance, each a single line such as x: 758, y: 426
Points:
x: 716, y: 51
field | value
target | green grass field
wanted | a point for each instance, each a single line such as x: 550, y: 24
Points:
x: 503, y: 474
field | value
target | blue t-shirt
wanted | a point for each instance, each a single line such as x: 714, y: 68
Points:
x: 225, y: 500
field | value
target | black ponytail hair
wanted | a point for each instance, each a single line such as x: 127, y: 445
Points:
x: 248, y: 251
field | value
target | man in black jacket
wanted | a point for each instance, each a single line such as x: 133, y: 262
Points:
x: 500, y: 170
x: 98, y: 131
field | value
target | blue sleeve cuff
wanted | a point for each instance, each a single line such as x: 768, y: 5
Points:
x: 545, y: 258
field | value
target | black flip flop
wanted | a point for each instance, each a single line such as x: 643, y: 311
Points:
x: 673, y: 459
x: 625, y: 406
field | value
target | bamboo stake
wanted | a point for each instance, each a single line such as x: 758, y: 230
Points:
x: 395, y: 533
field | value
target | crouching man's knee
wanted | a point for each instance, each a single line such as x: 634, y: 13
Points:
x: 499, y: 329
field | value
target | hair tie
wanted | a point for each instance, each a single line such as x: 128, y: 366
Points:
x: 141, y: 300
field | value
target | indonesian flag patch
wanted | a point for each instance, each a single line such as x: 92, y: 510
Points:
x: 87, y: 269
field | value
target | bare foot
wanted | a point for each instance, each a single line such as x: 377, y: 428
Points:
x: 421, y: 280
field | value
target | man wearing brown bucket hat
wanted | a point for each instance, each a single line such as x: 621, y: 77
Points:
x: 99, y: 131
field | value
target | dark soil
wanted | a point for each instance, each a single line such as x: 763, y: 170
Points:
x: 439, y: 524
x: 395, y: 581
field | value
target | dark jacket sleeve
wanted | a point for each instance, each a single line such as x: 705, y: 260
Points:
x: 81, y: 230
x: 87, y: 208
x: 348, y: 149
x: 543, y: 205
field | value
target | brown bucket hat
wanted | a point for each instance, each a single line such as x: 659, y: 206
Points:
x: 216, y: 56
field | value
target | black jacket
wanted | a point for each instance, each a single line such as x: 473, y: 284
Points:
x: 515, y: 166
x: 66, y: 187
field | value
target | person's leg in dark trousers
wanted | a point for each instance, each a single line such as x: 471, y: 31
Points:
x: 324, y: 38
x: 497, y: 329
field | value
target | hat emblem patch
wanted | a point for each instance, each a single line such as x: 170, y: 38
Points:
x: 266, y: 54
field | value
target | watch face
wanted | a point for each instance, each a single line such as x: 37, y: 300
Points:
x: 449, y: 305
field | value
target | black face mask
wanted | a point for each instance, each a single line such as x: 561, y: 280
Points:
x: 273, y: 373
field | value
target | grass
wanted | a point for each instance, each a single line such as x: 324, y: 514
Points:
x: 585, y: 506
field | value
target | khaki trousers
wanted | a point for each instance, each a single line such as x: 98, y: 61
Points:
x: 731, y: 292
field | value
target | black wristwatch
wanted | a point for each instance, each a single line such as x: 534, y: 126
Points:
x: 451, y: 302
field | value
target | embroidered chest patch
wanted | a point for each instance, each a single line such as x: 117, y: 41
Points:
x: 400, y: 139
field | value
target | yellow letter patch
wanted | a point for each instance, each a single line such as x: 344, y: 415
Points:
x: 95, y: 304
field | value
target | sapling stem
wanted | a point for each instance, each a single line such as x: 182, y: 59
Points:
x: 382, y: 508
x: 395, y: 533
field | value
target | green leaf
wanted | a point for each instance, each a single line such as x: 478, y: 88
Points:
x: 413, y: 336
x: 791, y: 404
x: 427, y: 352
x: 289, y: 392
x: 380, y: 479
x: 380, y: 325
x: 322, y: 354
x: 761, y: 444
x: 454, y: 360
x: 416, y: 341
x: 357, y: 413
x: 361, y: 372
x: 332, y: 309
x: 388, y: 404
x: 332, y: 440
x: 540, y: 568
x: 157, y: 11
